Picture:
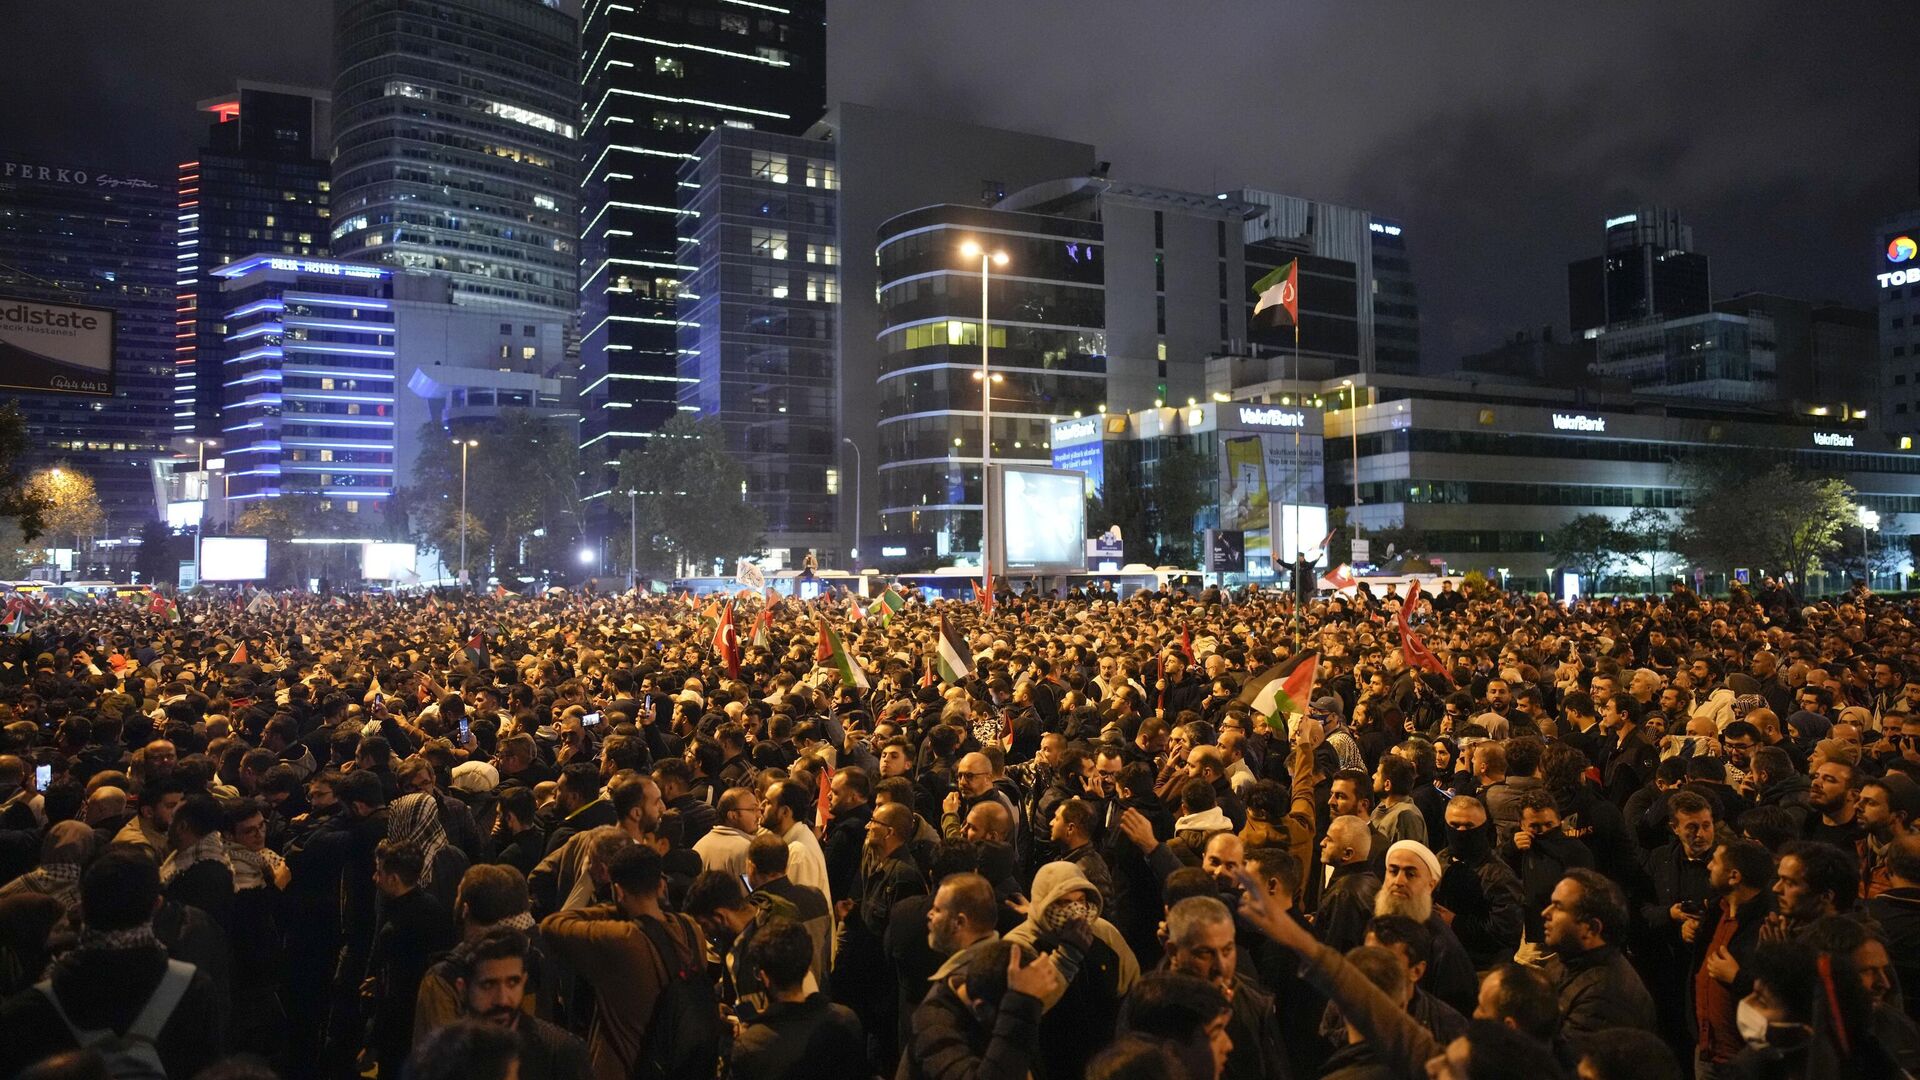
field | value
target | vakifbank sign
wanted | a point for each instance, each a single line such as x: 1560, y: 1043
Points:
x: 56, y: 348
x: 1577, y: 422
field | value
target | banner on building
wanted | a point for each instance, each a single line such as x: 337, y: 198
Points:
x: 56, y: 348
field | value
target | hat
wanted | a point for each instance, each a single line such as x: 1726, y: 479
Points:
x: 1746, y: 703
x: 1838, y: 750
x: 1421, y: 850
x: 475, y: 777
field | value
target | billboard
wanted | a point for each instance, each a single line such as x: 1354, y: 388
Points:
x: 1259, y: 472
x: 1040, y: 519
x: 56, y: 348
x: 387, y: 562
x: 233, y: 558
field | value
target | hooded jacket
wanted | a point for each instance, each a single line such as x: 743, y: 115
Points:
x: 1080, y: 1021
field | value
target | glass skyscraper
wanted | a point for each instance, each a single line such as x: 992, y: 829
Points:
x: 98, y: 237
x: 454, y: 144
x: 259, y: 184
x: 658, y: 79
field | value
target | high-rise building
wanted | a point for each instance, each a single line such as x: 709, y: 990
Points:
x: 1113, y: 295
x: 1648, y: 270
x: 1896, y: 266
x: 658, y: 79
x: 77, y: 234
x: 1716, y: 356
x: 309, y: 397
x: 454, y: 144
x: 258, y: 183
x: 1824, y: 354
x: 1373, y: 314
x: 756, y: 323
x: 338, y: 370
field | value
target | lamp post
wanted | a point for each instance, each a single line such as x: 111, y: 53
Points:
x: 1869, y: 521
x: 987, y: 261
x: 465, y: 445
x: 856, y: 498
x: 633, y: 536
x: 1353, y: 435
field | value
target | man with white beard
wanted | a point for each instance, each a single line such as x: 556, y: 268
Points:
x: 1412, y: 871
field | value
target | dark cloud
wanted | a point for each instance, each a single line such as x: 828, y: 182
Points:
x: 1499, y: 132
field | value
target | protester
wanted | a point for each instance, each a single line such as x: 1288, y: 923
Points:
x: 378, y: 834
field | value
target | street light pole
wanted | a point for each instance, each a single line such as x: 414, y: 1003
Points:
x: 987, y: 259
x: 1353, y: 434
x: 465, y: 445
x: 633, y: 536
x: 857, y: 502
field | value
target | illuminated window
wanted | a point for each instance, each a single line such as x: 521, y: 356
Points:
x: 666, y: 65
x: 326, y: 384
x: 528, y: 352
x: 769, y: 243
x: 824, y: 254
x: 353, y: 505
x: 736, y: 24
x: 823, y: 288
x: 529, y: 117
x: 769, y: 166
x: 833, y: 481
x: 545, y: 202
x: 821, y: 174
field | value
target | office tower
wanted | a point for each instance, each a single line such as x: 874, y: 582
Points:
x: 1825, y: 354
x: 658, y: 79
x: 756, y: 322
x: 1648, y: 270
x: 1896, y: 266
x: 1373, y: 314
x: 258, y: 183
x: 77, y: 234
x: 1113, y: 296
x: 454, y: 125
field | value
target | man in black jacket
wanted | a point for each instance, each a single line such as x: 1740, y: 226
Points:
x: 1681, y: 890
x: 414, y: 927
x: 492, y: 985
x: 1897, y: 910
x: 1597, y: 985
x: 986, y: 1023
x: 106, y: 982
x: 801, y: 1035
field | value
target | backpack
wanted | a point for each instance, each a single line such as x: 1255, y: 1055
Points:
x: 683, y: 1036
x: 135, y: 1054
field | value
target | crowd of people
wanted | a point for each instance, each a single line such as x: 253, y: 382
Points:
x: 1051, y: 836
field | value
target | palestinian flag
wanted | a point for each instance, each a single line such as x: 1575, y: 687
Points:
x: 475, y: 650
x: 1282, y: 691
x: 890, y: 604
x: 18, y: 624
x: 955, y: 660
x: 837, y: 655
x: 854, y: 614
x: 1279, y: 292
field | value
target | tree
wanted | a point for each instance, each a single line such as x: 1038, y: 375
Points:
x: 1177, y: 493
x: 19, y: 503
x: 18, y: 554
x: 522, y: 489
x: 1590, y: 544
x: 71, y: 505
x: 1648, y: 534
x: 155, y: 561
x: 1885, y: 554
x: 1777, y: 517
x: 690, y: 509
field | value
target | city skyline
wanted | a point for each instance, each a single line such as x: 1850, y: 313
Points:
x: 1761, y: 131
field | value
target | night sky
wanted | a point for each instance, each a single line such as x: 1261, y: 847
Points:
x: 1498, y: 134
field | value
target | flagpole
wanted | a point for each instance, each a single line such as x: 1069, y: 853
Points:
x: 1294, y: 482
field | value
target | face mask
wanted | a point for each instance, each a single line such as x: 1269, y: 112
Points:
x: 1469, y: 844
x: 1752, y: 1022
x: 1069, y: 911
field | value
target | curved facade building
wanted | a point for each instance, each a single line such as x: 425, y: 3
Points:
x: 454, y: 126
x: 1048, y: 343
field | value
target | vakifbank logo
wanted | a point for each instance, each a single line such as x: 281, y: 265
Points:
x: 1902, y: 249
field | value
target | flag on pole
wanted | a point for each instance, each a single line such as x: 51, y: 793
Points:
x: 984, y: 597
x: 1279, y: 293
x: 1186, y: 643
x: 18, y: 624
x: 890, y: 603
x: 842, y: 660
x: 500, y: 592
x: 260, y: 602
x: 726, y: 642
x: 1411, y: 646
x: 854, y: 614
x: 1340, y: 577
x: 1282, y: 691
x: 955, y: 660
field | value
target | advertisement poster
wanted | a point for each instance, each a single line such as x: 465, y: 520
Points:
x: 1259, y: 470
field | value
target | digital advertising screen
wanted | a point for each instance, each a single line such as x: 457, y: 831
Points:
x: 233, y: 558
x: 386, y: 562
x: 1041, y: 519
